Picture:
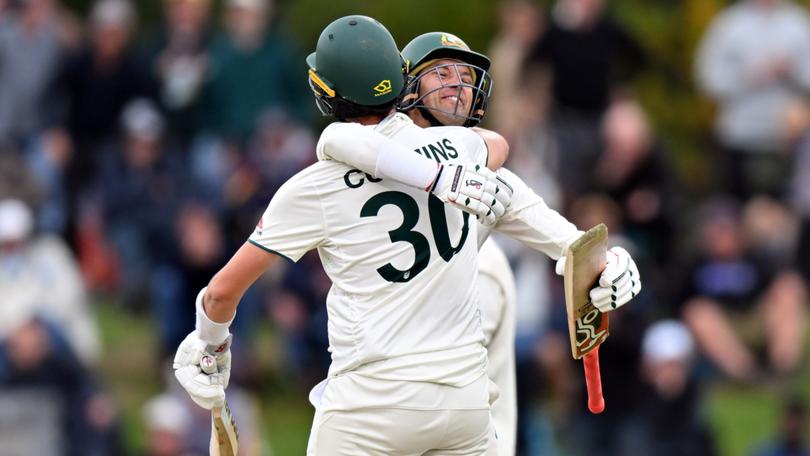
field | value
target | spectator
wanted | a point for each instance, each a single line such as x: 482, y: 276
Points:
x: 733, y: 299
x: 633, y: 170
x: 36, y: 362
x: 298, y: 311
x: 32, y: 43
x: 244, y: 408
x: 41, y: 279
x: 791, y: 439
x: 103, y: 76
x: 752, y: 62
x: 16, y: 179
x: 145, y: 182
x: 96, y: 83
x: 520, y: 26
x: 589, y: 56
x: 281, y: 147
x: 179, y: 61
x: 799, y: 126
x: 672, y: 419
x: 168, y: 422
x: 253, y: 68
x: 198, y: 247
x: 46, y: 335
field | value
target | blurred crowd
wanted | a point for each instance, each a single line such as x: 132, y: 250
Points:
x: 135, y: 158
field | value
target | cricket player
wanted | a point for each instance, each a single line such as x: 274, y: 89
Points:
x: 449, y: 85
x: 409, y: 367
x: 435, y: 57
x: 432, y: 58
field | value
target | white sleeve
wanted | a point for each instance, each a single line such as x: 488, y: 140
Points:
x: 375, y: 154
x: 293, y: 223
x: 529, y: 220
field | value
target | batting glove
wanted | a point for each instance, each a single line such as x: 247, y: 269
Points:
x: 474, y: 189
x: 618, y: 284
x: 203, y: 370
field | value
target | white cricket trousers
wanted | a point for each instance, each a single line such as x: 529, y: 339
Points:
x: 407, y: 422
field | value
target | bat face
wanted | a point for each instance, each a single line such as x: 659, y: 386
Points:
x: 585, y: 260
x: 591, y: 329
x: 224, y: 435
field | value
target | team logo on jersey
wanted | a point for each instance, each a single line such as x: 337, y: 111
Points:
x: 259, y: 226
x: 383, y: 87
x: 474, y: 183
x: 449, y: 39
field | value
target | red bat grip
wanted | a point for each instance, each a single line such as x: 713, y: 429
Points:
x: 593, y: 381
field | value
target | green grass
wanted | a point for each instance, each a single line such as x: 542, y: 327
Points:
x: 287, y: 421
x: 741, y: 417
x: 744, y: 417
x: 127, y: 367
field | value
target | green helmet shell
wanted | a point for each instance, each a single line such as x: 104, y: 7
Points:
x: 356, y: 60
x: 440, y: 45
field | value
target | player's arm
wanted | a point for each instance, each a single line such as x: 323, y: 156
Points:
x: 530, y: 221
x: 215, y: 310
x: 291, y: 226
x: 471, y: 187
x: 375, y: 154
x: 227, y: 287
x: 497, y: 146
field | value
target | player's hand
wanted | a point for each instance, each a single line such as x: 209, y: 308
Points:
x: 474, y: 189
x: 203, y: 370
x: 618, y: 284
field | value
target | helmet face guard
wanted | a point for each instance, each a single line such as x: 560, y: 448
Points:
x: 450, y: 77
x: 323, y: 92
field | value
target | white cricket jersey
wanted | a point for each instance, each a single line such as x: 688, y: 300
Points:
x: 403, y: 305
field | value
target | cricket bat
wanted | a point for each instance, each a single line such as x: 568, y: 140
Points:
x: 224, y: 435
x: 587, y: 327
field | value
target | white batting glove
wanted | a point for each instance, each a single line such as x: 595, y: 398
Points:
x: 203, y: 370
x: 202, y: 364
x: 619, y: 283
x: 474, y: 189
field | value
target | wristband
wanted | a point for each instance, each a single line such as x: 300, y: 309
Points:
x: 211, y: 332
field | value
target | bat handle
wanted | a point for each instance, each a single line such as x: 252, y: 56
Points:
x: 593, y: 381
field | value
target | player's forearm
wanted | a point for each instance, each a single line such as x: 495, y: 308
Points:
x: 220, y: 309
x: 227, y: 287
x: 530, y: 221
x: 375, y: 154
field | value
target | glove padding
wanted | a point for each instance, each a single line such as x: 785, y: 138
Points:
x: 206, y: 389
x: 474, y: 189
x: 618, y: 284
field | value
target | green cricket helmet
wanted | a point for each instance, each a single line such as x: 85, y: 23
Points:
x: 356, y: 68
x: 423, y: 52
